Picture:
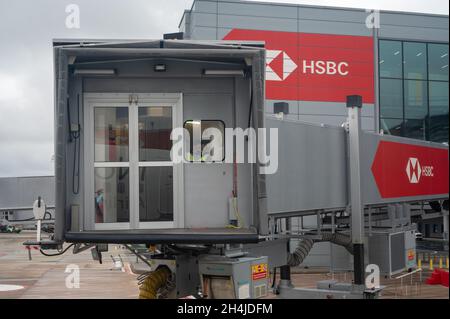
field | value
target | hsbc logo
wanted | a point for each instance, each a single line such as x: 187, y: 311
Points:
x: 279, y: 65
x: 415, y: 171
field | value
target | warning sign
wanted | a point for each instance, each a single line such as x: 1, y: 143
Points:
x: 411, y: 254
x: 259, y: 271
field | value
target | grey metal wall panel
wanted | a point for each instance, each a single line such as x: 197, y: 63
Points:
x: 416, y: 27
x: 257, y: 10
x: 208, y: 106
x: 413, y: 33
x: 204, y: 33
x: 367, y: 123
x: 194, y: 85
x: 312, y: 108
x: 312, y: 155
x: 199, y: 19
x: 332, y: 27
x: 206, y: 198
x: 291, y: 117
x: 222, y: 32
x: 205, y: 6
x: 257, y: 23
x: 412, y: 19
x: 356, y: 16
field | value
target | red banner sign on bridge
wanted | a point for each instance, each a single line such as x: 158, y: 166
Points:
x: 402, y: 170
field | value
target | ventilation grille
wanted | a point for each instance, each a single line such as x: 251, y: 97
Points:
x: 260, y: 291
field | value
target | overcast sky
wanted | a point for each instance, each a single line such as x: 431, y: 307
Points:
x: 26, y: 71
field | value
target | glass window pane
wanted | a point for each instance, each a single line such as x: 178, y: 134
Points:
x: 416, y: 99
x: 415, y: 129
x: 415, y: 60
x: 155, y: 126
x: 439, y: 128
x: 391, y: 126
x: 391, y: 98
x: 210, y: 149
x: 156, y: 193
x: 438, y: 62
x: 390, y: 59
x: 111, y: 134
x: 438, y: 98
x: 111, y: 196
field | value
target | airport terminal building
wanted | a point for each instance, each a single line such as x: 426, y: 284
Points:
x: 316, y: 56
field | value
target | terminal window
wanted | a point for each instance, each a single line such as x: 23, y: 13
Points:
x: 413, y: 81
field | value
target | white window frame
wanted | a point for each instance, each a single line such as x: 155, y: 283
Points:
x: 92, y: 100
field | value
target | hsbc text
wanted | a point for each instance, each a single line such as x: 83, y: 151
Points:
x: 427, y: 171
x: 325, y: 67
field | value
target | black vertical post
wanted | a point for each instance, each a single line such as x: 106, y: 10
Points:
x: 285, y: 272
x: 358, y: 264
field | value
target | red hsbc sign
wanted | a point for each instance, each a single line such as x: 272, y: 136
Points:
x: 314, y: 67
x: 410, y: 170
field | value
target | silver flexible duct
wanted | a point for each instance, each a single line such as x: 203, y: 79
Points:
x: 306, y: 244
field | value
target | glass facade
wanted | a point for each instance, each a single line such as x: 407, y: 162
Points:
x: 413, y: 85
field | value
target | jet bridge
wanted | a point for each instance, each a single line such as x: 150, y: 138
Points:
x: 116, y: 106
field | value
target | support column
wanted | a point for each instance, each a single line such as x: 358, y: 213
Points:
x: 445, y: 221
x: 354, y: 105
x: 285, y: 273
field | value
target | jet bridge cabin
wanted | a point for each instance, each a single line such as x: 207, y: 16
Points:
x: 116, y: 106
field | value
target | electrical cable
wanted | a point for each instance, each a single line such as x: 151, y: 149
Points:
x: 47, y: 213
x: 251, y: 105
x: 20, y: 220
x: 274, y: 277
x: 56, y: 254
x: 74, y: 136
x: 76, y: 154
